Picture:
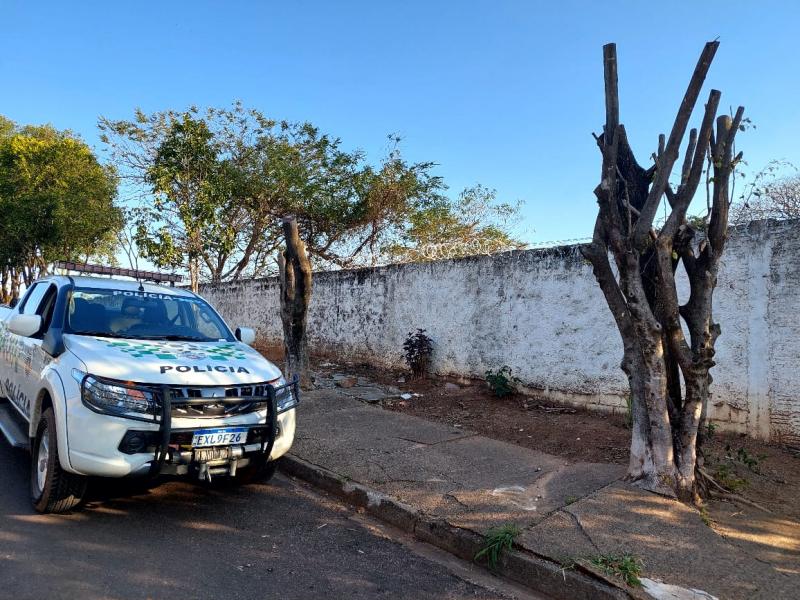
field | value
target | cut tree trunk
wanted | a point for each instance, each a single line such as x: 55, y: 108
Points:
x: 668, y: 375
x: 295, y: 290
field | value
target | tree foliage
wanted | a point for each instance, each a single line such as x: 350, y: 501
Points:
x: 474, y: 223
x: 56, y: 199
x: 773, y: 193
x: 213, y: 185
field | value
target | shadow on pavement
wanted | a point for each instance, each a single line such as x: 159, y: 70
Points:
x: 183, y: 540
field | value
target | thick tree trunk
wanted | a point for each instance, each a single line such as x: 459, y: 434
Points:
x: 194, y: 274
x: 5, y: 292
x: 295, y: 289
x: 642, y: 296
x: 15, y: 284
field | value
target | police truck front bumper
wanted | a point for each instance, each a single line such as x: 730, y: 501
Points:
x: 162, y: 441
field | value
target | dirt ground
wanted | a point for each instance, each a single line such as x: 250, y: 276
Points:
x: 570, y: 432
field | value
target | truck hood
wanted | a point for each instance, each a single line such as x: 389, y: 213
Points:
x: 171, y: 363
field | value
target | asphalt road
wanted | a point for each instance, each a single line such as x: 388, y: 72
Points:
x: 183, y: 540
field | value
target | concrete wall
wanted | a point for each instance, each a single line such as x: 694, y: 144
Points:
x: 541, y: 312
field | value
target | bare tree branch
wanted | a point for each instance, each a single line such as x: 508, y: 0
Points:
x: 670, y: 155
x: 612, y: 90
x: 687, y: 190
x: 687, y: 159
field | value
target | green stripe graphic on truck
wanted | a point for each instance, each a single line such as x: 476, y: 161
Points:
x: 173, y: 350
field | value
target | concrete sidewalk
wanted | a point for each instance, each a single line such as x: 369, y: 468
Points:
x: 450, y: 486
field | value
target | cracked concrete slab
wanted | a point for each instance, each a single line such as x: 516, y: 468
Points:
x: 671, y: 538
x: 443, y: 471
x: 369, y: 394
x: 766, y: 536
x: 324, y: 401
x: 567, y: 510
x: 529, y: 502
x: 373, y: 422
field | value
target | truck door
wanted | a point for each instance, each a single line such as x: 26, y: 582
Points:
x: 23, y: 380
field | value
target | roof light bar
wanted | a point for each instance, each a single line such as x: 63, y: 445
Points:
x: 118, y: 271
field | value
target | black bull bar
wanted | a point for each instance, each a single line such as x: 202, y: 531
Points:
x: 164, y: 398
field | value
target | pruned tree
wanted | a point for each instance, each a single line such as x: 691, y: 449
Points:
x: 295, y: 290
x: 668, y: 374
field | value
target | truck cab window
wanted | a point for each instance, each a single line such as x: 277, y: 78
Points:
x: 30, y: 304
x: 46, y: 308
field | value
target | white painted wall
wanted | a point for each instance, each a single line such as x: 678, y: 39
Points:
x: 541, y: 312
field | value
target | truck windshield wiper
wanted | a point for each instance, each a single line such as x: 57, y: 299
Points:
x: 108, y: 334
x: 182, y: 338
x: 128, y: 336
x: 170, y: 337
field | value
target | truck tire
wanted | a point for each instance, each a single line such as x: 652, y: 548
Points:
x: 259, y: 470
x: 53, y: 490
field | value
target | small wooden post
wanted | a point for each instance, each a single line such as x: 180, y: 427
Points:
x: 295, y: 290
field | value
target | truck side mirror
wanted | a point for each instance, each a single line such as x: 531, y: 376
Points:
x: 246, y: 335
x: 25, y: 325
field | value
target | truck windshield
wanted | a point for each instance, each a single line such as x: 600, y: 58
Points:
x: 143, y: 315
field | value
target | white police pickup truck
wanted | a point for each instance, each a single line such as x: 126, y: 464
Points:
x: 113, y: 378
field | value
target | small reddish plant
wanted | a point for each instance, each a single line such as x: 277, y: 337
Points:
x: 418, y: 349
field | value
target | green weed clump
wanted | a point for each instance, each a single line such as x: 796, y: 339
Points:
x: 497, y: 541
x: 628, y: 412
x: 728, y: 479
x: 502, y: 382
x: 751, y: 461
x: 625, y: 566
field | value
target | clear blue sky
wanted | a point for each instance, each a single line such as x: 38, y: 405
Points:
x: 501, y: 93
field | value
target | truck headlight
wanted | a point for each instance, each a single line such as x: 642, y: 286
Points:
x: 285, y: 395
x: 115, y: 397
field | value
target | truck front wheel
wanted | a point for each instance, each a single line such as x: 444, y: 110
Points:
x: 260, y: 470
x: 53, y: 490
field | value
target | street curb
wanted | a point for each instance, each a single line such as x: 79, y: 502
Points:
x: 535, y: 572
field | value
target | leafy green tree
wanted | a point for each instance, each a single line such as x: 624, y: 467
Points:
x: 352, y: 216
x: 214, y: 184
x: 56, y: 199
x: 7, y: 127
x: 189, y: 183
x: 189, y: 174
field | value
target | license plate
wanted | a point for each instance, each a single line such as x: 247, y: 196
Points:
x: 219, y: 437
